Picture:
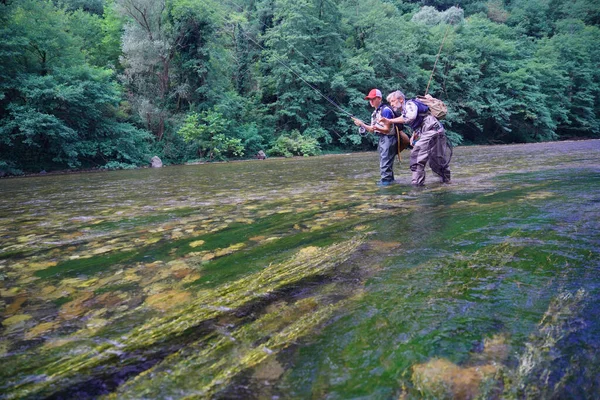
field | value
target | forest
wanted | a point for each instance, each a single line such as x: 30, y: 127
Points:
x: 107, y: 84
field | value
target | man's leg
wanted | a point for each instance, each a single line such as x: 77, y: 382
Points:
x: 387, y: 152
x: 418, y: 159
x: 439, y: 160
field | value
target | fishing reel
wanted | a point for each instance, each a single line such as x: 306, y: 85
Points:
x: 362, y: 131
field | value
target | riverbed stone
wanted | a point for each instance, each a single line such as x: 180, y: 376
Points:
x: 440, y: 378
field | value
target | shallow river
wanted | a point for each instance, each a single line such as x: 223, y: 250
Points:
x: 301, y: 279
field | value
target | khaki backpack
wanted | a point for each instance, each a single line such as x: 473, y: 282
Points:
x: 437, y: 108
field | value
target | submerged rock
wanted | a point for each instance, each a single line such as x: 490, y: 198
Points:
x: 268, y: 370
x: 441, y: 378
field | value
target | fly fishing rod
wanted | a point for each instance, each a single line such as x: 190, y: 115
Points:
x: 294, y: 72
x: 436, y: 59
x: 287, y: 66
x: 301, y: 78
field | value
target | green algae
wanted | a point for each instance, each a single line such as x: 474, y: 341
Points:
x: 88, y: 266
x: 62, y: 300
x: 207, y: 305
x: 217, y: 361
x: 172, y: 249
x: 211, y: 303
x: 145, y: 220
x: 269, y: 252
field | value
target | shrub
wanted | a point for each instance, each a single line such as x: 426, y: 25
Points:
x: 207, y: 130
x: 295, y: 144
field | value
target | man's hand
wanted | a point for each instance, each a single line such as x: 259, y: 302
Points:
x: 357, y: 121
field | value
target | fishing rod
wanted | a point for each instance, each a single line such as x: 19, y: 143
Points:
x: 296, y: 74
x: 300, y: 77
x: 362, y: 131
x: 436, y: 59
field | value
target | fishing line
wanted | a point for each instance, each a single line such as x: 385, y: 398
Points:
x: 240, y: 9
x: 300, y: 77
x: 278, y: 59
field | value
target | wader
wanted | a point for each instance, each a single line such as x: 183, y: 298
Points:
x: 431, y: 143
x: 388, y: 149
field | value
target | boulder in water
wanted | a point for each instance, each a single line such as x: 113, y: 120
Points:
x: 156, y: 162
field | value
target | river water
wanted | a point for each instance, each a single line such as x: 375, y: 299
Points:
x: 300, y: 278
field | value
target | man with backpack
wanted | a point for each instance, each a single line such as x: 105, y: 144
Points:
x: 388, y: 142
x: 428, y: 138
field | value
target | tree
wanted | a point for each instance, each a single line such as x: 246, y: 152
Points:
x: 68, y: 119
x: 530, y: 17
x: 496, y: 11
x: 167, y: 54
x: 585, y: 10
x: 100, y: 34
x: 304, y: 51
x: 89, y: 6
x: 428, y: 16
x: 497, y: 96
x: 55, y: 110
x: 44, y: 34
x: 573, y: 54
x: 148, y: 50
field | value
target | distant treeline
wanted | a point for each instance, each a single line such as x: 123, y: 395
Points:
x: 110, y: 83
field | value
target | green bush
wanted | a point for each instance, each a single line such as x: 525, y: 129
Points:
x: 207, y: 131
x: 295, y: 144
x: 118, y: 165
x: 68, y: 119
x: 8, y: 168
x: 251, y: 138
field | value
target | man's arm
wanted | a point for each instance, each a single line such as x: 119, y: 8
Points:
x: 409, y: 115
x: 381, y: 126
x: 397, y: 120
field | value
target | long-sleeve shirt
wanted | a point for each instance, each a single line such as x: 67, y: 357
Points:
x: 410, y: 112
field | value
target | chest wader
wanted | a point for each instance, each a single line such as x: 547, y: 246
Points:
x: 387, y: 147
x: 432, y: 144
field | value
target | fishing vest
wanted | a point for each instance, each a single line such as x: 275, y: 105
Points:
x: 422, y: 111
x: 376, y: 116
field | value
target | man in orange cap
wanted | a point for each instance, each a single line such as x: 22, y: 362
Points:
x: 388, y: 142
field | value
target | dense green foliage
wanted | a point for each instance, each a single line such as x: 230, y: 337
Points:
x: 109, y: 83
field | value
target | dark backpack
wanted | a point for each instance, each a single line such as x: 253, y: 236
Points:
x: 422, y: 111
x: 421, y: 107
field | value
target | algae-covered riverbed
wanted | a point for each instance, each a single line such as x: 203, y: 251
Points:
x: 302, y: 279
